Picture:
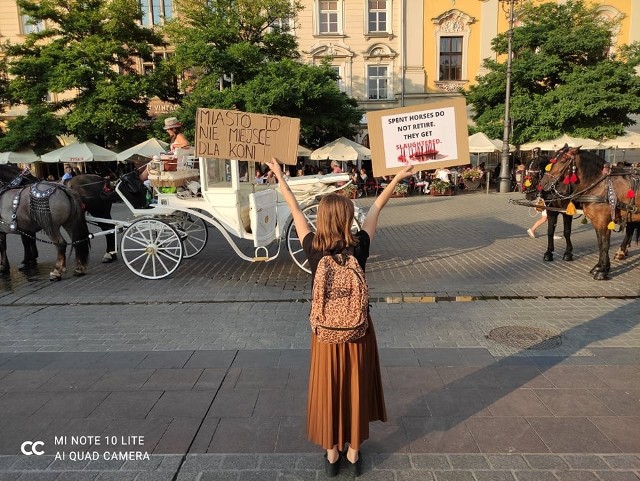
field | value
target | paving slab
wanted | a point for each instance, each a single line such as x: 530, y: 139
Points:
x: 210, y: 366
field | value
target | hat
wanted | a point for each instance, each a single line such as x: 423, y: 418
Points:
x: 171, y: 123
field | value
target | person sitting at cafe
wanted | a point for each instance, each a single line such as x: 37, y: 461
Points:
x: 68, y: 174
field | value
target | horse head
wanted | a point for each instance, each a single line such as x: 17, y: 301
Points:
x: 11, y: 174
x: 533, y: 175
x: 560, y: 173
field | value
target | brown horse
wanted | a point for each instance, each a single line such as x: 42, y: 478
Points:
x: 608, y: 195
x: 49, y: 207
x: 531, y: 188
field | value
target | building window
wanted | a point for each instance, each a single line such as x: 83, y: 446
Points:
x: 450, y: 58
x: 28, y: 26
x: 378, y: 82
x: 339, y: 81
x: 148, y: 67
x: 282, y: 25
x: 329, y: 16
x: 155, y: 12
x: 377, y: 16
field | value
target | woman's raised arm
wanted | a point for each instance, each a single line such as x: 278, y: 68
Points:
x: 299, y: 220
x: 371, y: 220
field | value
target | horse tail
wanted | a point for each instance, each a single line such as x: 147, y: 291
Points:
x: 636, y: 227
x: 79, y: 229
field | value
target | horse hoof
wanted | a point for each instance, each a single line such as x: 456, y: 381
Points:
x: 601, y: 276
x: 548, y: 256
x: 28, y: 265
x: 594, y: 270
x: 79, y: 273
x: 620, y: 255
x: 567, y: 257
x: 109, y: 257
x: 54, y: 278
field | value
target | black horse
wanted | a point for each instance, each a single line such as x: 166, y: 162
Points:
x: 532, y: 190
x: 97, y: 195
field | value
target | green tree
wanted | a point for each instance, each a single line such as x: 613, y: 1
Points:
x: 564, y: 80
x: 86, y: 58
x: 292, y: 89
x: 240, y: 54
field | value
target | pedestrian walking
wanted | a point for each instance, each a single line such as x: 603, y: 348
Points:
x: 345, y: 385
x: 531, y: 232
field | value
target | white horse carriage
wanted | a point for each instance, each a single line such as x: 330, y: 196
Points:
x: 176, y: 227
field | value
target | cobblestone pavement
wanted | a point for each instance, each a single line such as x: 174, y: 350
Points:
x: 204, y: 374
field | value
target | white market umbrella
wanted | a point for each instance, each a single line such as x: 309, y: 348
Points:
x: 479, y: 143
x: 498, y: 144
x: 628, y: 140
x: 303, y: 151
x: 559, y: 142
x: 146, y: 149
x: 24, y: 156
x: 80, y: 152
x: 341, y: 149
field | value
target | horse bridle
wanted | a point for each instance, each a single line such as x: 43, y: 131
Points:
x: 530, y: 174
x: 567, y: 157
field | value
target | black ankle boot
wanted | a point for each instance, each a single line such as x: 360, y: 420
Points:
x: 331, y: 469
x: 355, y: 468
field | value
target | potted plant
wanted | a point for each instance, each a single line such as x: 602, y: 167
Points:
x: 440, y: 187
x: 400, y: 190
x: 472, y: 178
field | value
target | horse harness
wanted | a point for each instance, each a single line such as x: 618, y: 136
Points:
x: 39, y: 194
x: 569, y: 156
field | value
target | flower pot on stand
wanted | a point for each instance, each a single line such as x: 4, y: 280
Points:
x: 472, y: 184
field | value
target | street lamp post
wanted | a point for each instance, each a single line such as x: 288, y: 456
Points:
x: 505, y: 174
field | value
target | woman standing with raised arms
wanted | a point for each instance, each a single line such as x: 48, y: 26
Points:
x: 345, y: 386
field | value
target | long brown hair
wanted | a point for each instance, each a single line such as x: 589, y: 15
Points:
x: 335, y: 216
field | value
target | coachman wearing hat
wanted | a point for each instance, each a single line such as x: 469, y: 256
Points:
x: 177, y: 139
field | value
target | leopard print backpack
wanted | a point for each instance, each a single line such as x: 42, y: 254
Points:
x: 340, y: 300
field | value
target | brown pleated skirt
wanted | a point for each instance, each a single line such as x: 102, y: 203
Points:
x: 345, y: 391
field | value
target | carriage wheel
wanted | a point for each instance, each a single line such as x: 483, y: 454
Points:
x: 151, y: 248
x: 194, y: 234
x: 294, y: 244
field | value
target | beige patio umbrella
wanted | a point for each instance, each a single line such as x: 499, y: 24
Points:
x: 143, y: 151
x: 303, y: 151
x: 479, y: 143
x: 24, y: 156
x: 80, y: 152
x: 341, y: 149
x: 628, y: 140
x: 498, y: 144
x: 559, y: 142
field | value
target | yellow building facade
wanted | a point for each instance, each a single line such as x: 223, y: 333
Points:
x: 458, y: 34
x: 388, y: 53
